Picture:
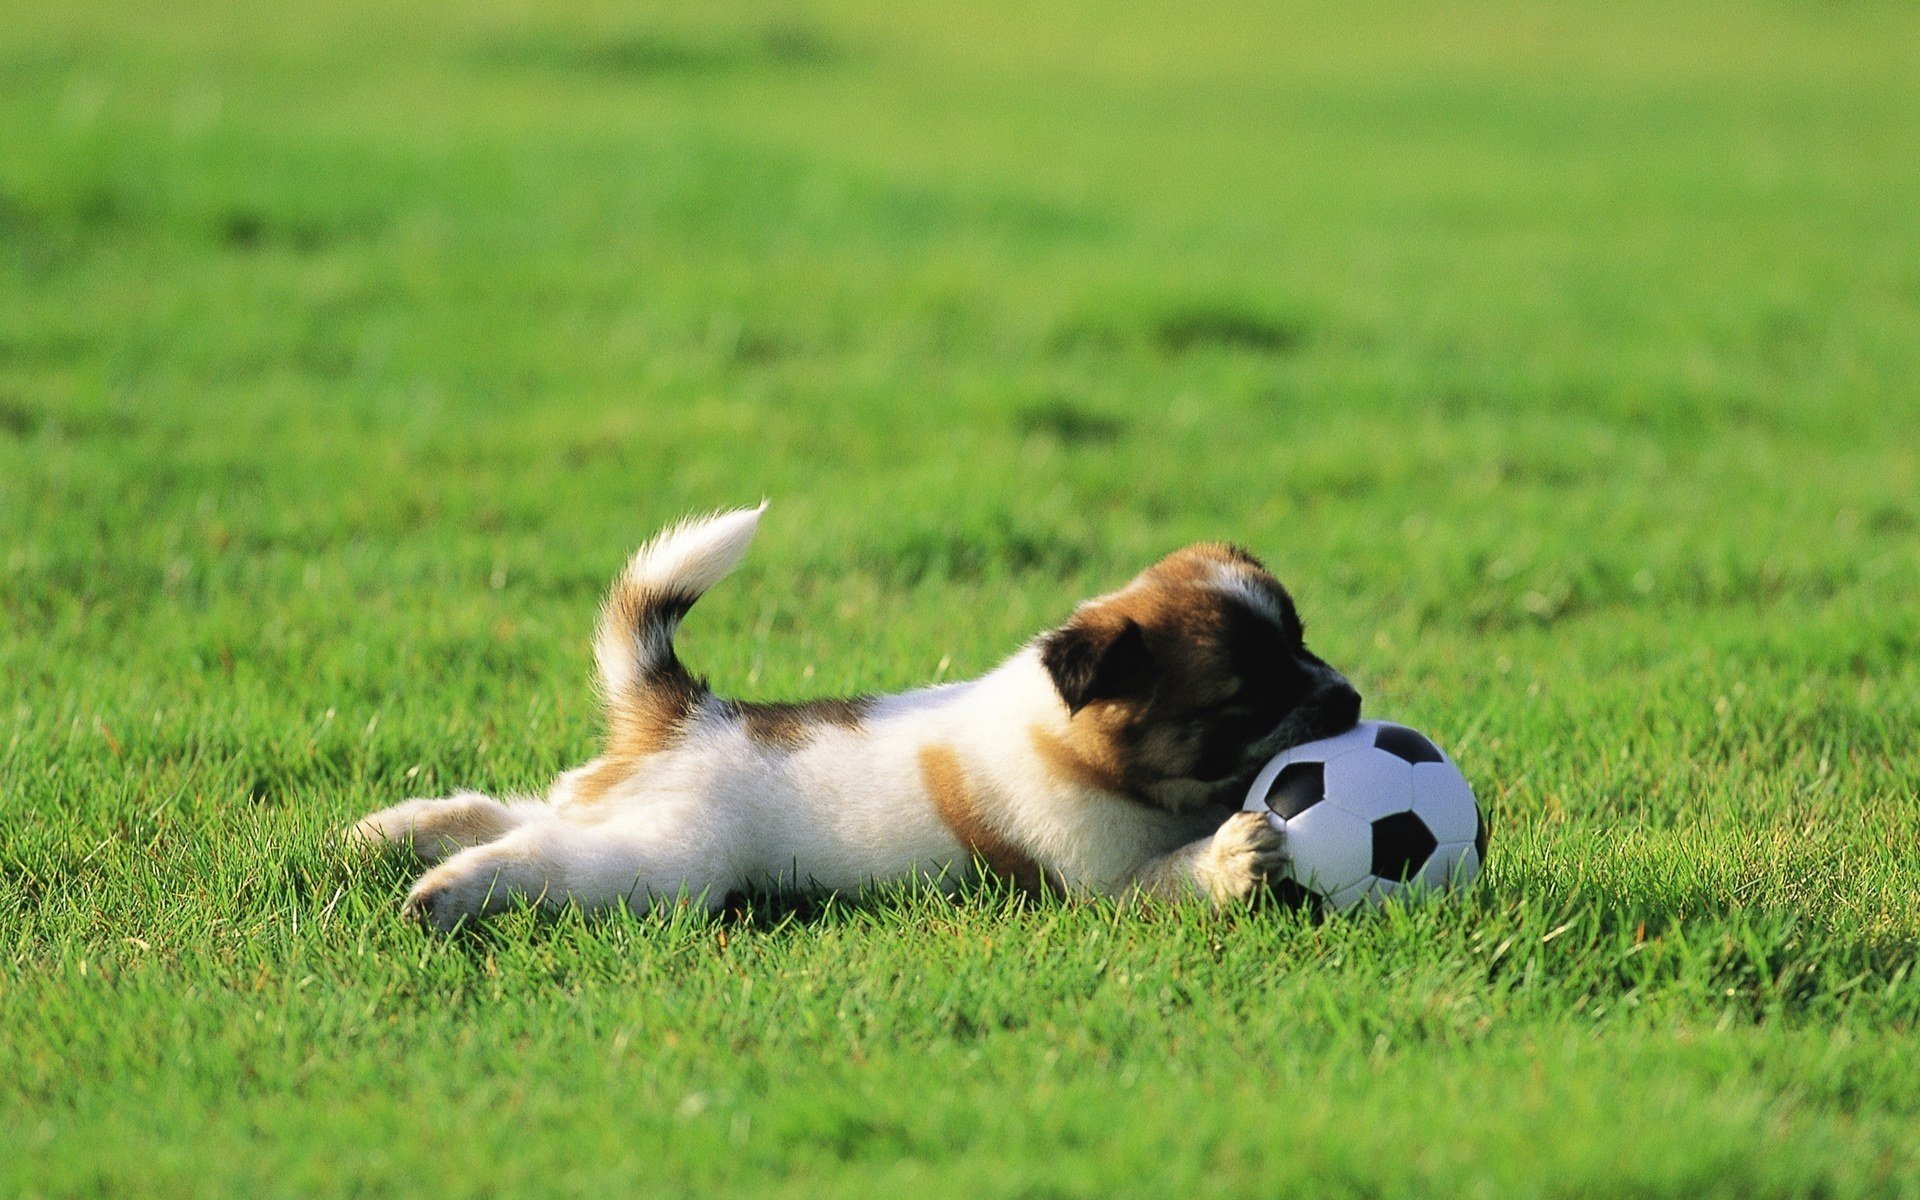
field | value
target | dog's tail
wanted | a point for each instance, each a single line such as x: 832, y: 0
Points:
x: 646, y: 689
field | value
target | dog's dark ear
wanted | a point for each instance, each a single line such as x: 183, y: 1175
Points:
x: 1097, y: 661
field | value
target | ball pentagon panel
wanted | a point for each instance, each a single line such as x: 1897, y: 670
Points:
x: 1298, y: 787
x: 1402, y: 844
x: 1409, y: 745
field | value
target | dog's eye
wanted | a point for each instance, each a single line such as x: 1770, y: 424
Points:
x: 1243, y: 722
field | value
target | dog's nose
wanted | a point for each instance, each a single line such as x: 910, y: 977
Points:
x: 1341, y: 704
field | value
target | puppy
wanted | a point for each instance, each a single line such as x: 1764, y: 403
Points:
x: 1108, y: 755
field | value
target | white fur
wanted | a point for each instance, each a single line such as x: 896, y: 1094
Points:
x: 1233, y: 580
x: 719, y: 811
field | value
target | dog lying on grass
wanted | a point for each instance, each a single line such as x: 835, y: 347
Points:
x: 1108, y: 755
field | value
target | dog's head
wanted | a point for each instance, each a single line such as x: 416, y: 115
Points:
x: 1181, y: 685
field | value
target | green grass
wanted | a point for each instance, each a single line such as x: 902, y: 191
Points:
x: 1561, y: 358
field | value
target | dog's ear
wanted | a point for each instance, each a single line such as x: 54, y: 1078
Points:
x: 1097, y: 660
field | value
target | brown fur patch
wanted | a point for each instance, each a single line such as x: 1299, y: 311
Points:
x: 959, y: 809
x: 1087, y: 761
x: 650, y: 720
x: 605, y: 775
x: 789, y: 725
x: 641, y: 723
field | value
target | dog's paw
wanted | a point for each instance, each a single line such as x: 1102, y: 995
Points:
x: 437, y: 904
x: 1246, y: 855
x: 455, y: 891
x: 434, y: 829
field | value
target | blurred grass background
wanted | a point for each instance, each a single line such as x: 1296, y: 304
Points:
x: 1560, y: 357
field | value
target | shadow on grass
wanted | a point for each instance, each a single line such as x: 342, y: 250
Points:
x: 1598, y: 948
x: 904, y: 907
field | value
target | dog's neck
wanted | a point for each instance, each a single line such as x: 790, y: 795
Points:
x: 1010, y: 726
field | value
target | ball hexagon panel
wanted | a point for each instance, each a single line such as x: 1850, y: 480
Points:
x: 1331, y: 848
x: 1450, y: 866
x: 1370, y: 783
x: 1402, y: 844
x: 1371, y: 894
x: 1350, y: 895
x: 1444, y: 801
x: 1358, y: 738
x: 1298, y: 787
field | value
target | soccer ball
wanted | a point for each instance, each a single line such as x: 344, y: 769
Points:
x: 1376, y: 812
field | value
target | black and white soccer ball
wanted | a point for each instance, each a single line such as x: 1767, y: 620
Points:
x: 1376, y: 812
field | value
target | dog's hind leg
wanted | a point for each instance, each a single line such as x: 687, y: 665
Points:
x: 669, y: 850
x: 437, y: 828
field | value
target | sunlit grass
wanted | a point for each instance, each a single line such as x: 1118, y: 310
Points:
x: 1560, y: 360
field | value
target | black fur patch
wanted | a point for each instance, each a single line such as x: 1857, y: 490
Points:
x: 661, y: 615
x: 1089, y: 664
x: 791, y: 724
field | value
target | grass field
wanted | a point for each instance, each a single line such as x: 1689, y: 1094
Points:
x: 1562, y: 358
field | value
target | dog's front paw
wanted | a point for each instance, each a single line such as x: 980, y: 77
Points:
x: 1246, y: 855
